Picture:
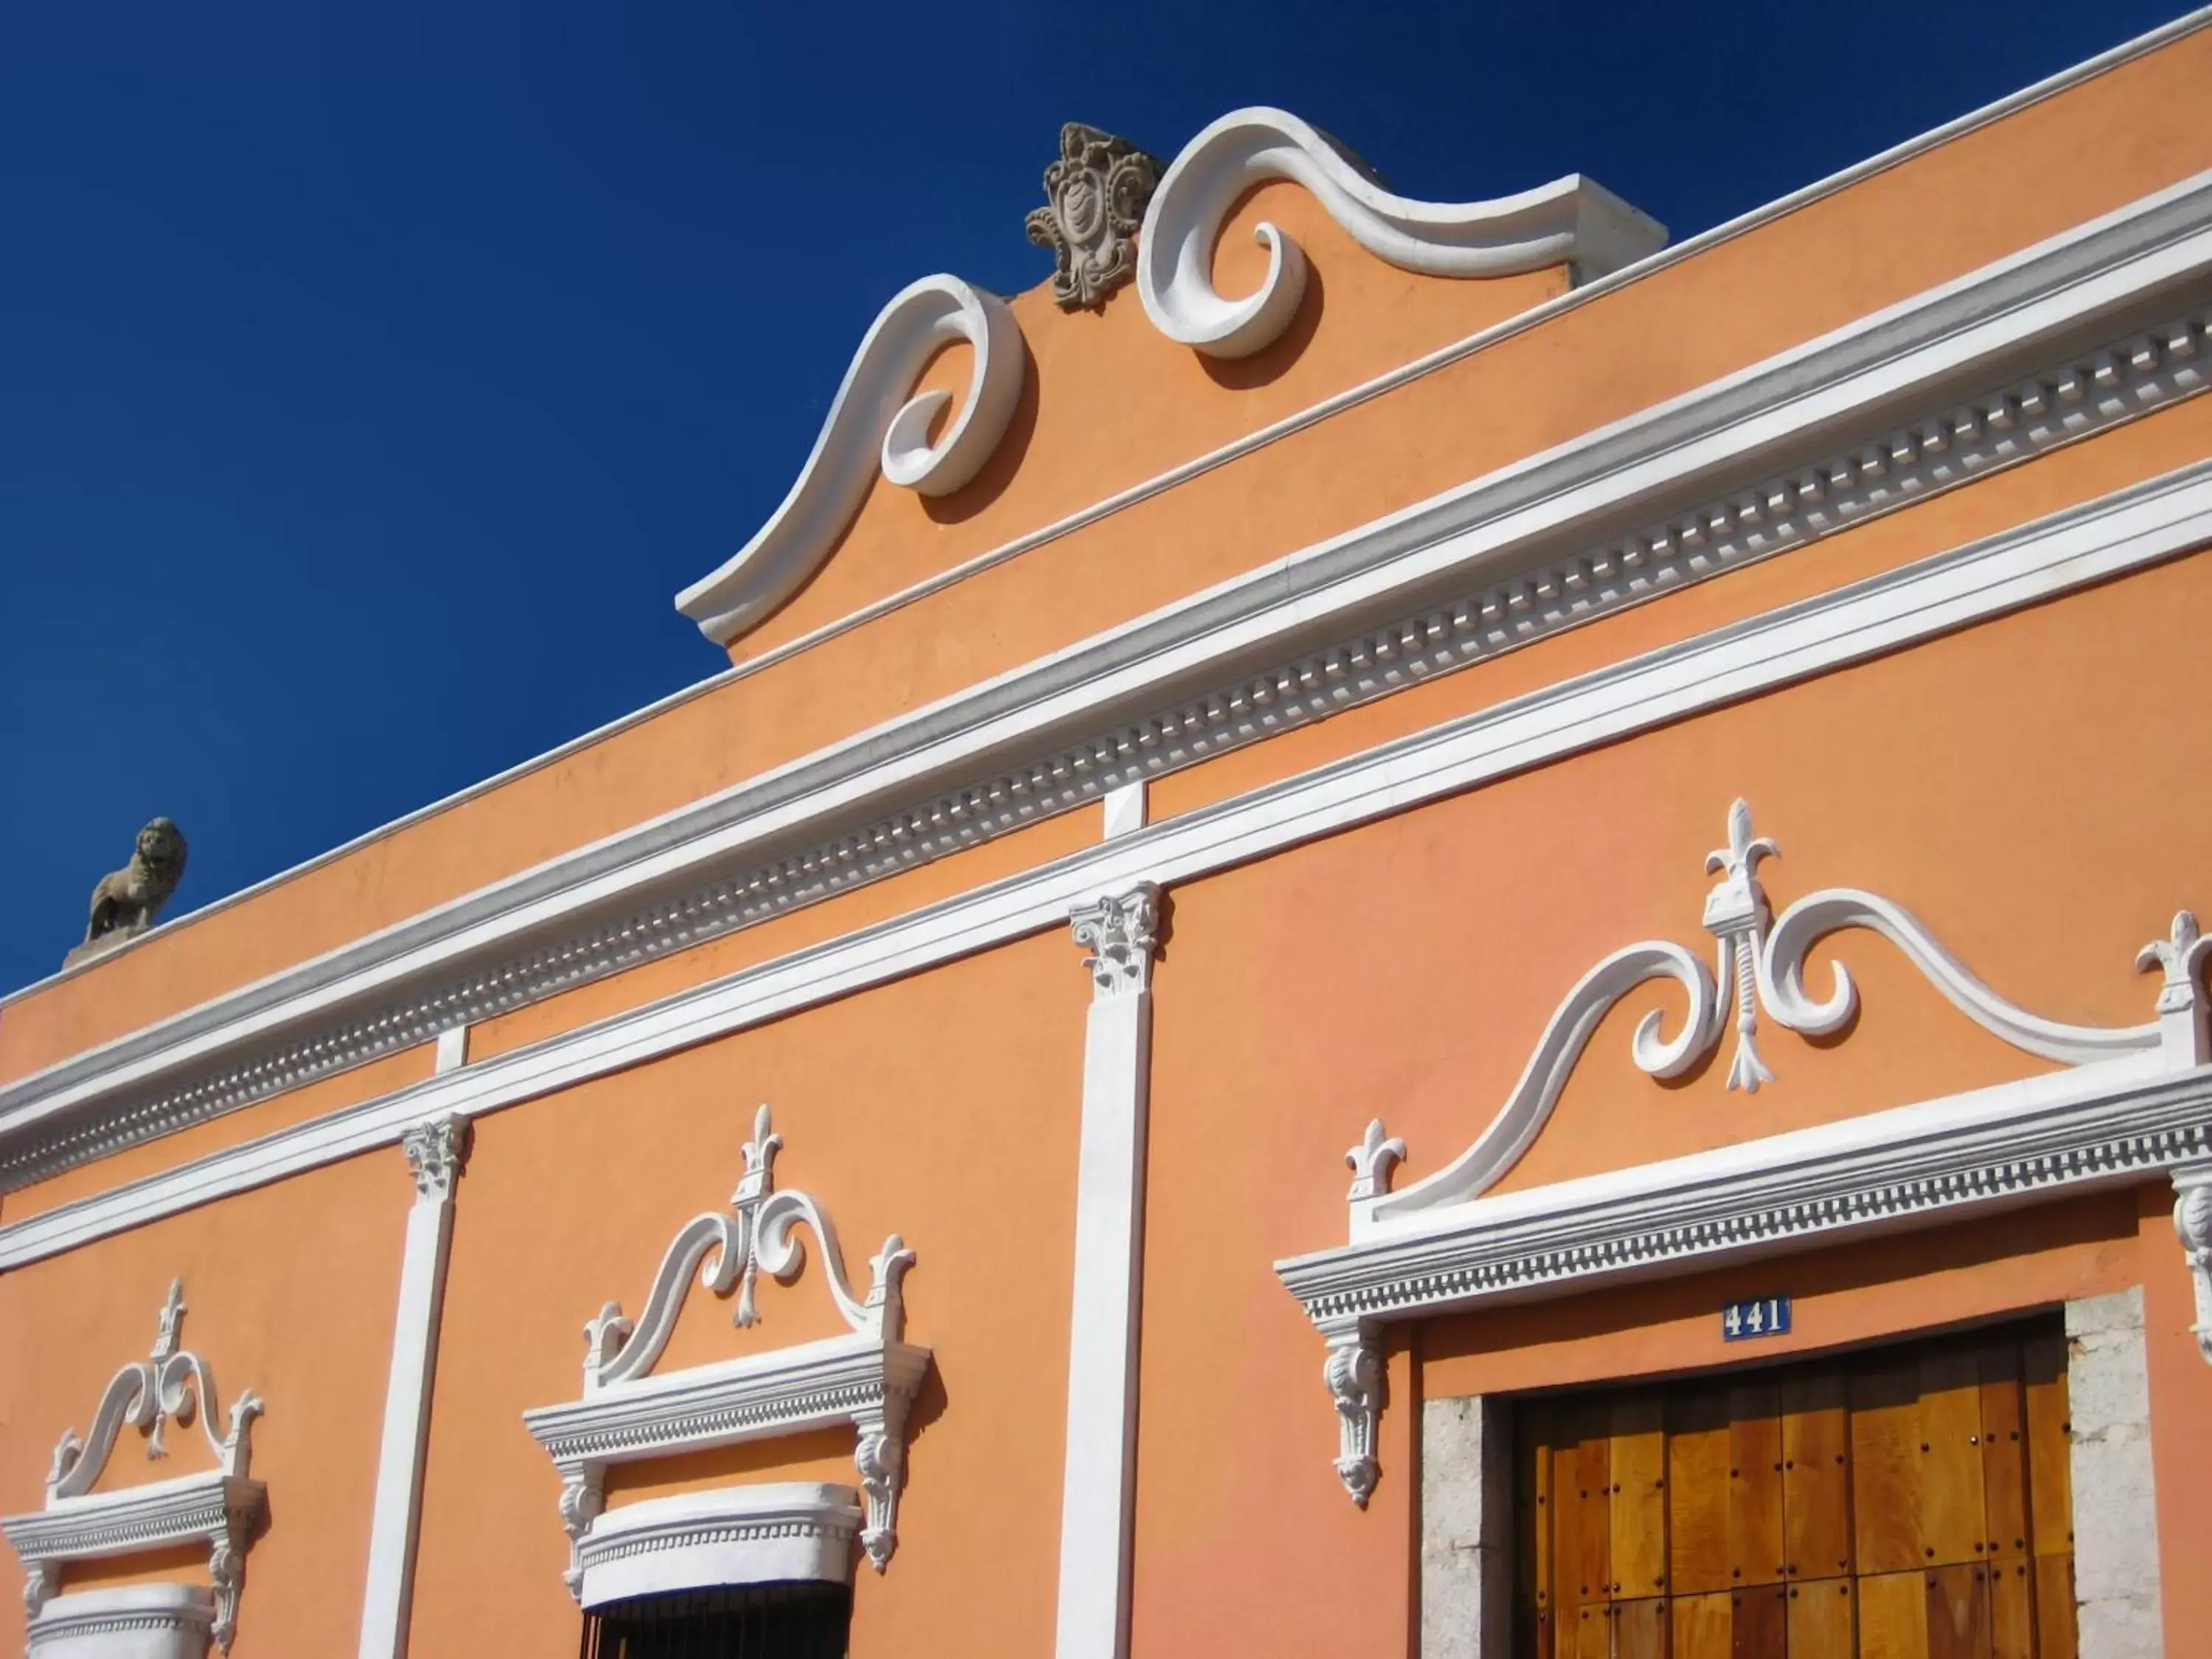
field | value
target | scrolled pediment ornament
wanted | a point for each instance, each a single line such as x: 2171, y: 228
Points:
x: 867, y: 1378
x: 1760, y: 973
x: 219, y: 1510
x: 1095, y: 195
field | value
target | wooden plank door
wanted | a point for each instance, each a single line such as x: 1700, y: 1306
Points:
x: 1912, y: 1502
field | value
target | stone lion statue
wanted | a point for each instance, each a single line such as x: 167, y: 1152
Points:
x: 126, y: 903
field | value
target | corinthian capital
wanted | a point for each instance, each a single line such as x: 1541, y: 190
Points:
x: 1118, y: 933
x: 435, y: 1152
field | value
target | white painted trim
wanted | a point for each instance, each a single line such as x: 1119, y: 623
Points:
x: 1571, y: 220
x: 220, y: 1508
x: 1762, y: 962
x: 2110, y: 1123
x: 131, y: 1621
x: 867, y: 1379
x: 1198, y: 467
x: 1099, y: 1488
x: 435, y: 1154
x: 1443, y: 1243
x: 1539, y: 545
x: 2128, y: 529
x: 768, y: 1533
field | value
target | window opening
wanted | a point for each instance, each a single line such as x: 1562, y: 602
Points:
x: 751, y: 1621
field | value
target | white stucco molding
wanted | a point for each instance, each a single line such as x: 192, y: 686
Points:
x: 1980, y: 374
x: 435, y: 1152
x: 758, y: 1535
x: 219, y: 1509
x: 1569, y: 221
x: 867, y: 1379
x: 2135, y: 1100
x: 1762, y: 967
x: 2130, y: 529
x: 2192, y: 1223
x: 1119, y: 935
x: 133, y: 1621
x: 875, y: 424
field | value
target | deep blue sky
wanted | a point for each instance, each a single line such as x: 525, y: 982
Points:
x: 371, y: 376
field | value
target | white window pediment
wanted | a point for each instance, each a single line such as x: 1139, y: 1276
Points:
x: 2134, y: 1101
x: 747, y: 1535
x: 220, y: 1508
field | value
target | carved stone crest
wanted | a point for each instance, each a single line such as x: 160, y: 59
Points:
x: 1095, y: 195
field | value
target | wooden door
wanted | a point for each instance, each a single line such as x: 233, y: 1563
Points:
x: 1907, y: 1503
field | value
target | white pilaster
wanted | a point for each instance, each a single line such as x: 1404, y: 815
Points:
x: 1119, y: 933
x: 435, y: 1152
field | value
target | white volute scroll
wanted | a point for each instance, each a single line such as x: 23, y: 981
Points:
x: 2136, y: 1100
x: 1569, y: 220
x: 875, y: 424
x: 867, y: 1378
x: 218, y: 1509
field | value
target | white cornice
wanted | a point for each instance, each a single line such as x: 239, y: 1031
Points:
x: 1199, y: 465
x: 2125, y: 532
x: 2110, y: 1123
x: 2113, y: 1121
x: 1913, y: 400
x: 785, y: 1391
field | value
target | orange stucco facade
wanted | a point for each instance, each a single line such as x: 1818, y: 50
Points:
x: 2018, y: 762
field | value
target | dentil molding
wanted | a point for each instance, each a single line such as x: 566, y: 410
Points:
x: 2134, y: 1101
x: 758, y: 1535
x: 219, y: 1509
x: 1483, y: 569
x: 867, y: 1378
x: 2131, y: 530
x: 1569, y: 221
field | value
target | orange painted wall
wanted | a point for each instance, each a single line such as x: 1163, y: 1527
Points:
x: 944, y: 1107
x: 2011, y: 784
x: 290, y: 1292
x: 1975, y: 199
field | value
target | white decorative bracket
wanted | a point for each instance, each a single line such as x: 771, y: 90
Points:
x: 867, y: 1378
x: 1440, y: 1244
x: 1569, y: 221
x: 2192, y: 1221
x: 220, y: 1508
x: 1353, y: 1376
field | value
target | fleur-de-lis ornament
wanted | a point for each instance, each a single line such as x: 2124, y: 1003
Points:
x: 1736, y: 914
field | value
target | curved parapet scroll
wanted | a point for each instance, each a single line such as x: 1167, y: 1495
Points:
x: 1569, y: 220
x: 866, y: 1378
x: 876, y: 424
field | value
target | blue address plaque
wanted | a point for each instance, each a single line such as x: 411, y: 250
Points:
x: 1762, y: 1316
